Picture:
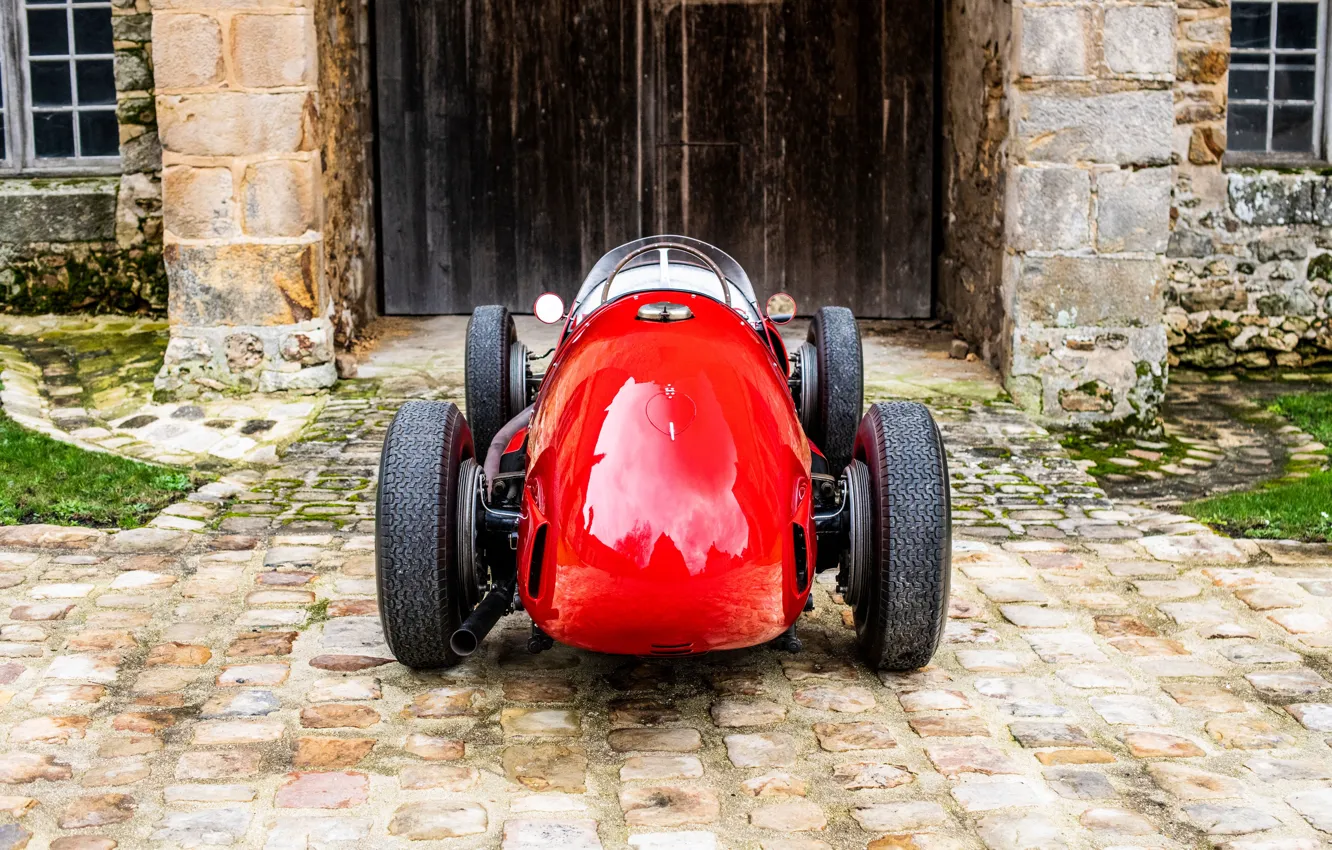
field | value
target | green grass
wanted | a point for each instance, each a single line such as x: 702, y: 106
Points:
x: 45, y: 480
x: 1299, y: 509
x: 1311, y: 412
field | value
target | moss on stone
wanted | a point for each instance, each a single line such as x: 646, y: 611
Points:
x: 131, y: 281
x: 1320, y: 268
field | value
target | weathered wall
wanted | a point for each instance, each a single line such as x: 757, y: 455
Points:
x: 1087, y: 210
x: 347, y: 116
x: 94, y: 244
x: 1251, y: 256
x: 238, y: 108
x: 976, y: 48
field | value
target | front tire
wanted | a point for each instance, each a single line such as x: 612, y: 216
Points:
x: 421, y: 599
x: 840, y: 395
x: 902, y: 603
x: 496, y: 373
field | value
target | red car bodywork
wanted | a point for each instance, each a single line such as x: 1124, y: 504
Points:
x: 667, y: 466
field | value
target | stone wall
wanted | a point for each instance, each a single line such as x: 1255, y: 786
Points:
x: 94, y: 244
x: 347, y: 115
x: 1087, y: 212
x: 977, y: 42
x: 1250, y: 275
x: 238, y: 106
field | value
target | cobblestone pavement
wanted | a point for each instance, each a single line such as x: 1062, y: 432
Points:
x: 89, y: 381
x: 1219, y: 437
x: 1110, y: 678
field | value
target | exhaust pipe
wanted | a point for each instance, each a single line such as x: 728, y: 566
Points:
x: 482, y: 619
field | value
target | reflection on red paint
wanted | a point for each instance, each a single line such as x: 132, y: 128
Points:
x: 670, y: 465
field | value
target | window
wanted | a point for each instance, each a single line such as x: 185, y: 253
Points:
x: 1277, y: 78
x: 57, y: 87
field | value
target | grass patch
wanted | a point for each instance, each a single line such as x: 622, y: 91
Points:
x: 1310, y: 412
x: 45, y: 480
x: 1299, y: 510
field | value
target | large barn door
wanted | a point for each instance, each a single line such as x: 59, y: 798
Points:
x: 521, y: 140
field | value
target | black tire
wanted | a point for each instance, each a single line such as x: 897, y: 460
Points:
x: 901, y: 613
x: 421, y: 603
x: 492, y: 339
x: 841, y: 385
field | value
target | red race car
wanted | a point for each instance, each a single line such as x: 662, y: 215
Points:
x: 671, y: 484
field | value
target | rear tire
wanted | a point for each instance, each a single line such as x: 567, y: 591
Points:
x: 496, y: 366
x: 841, y: 386
x: 421, y: 599
x: 901, y: 611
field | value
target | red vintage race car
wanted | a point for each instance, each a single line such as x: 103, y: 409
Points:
x: 669, y: 486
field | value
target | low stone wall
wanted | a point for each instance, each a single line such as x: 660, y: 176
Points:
x: 1250, y: 281
x: 90, y: 244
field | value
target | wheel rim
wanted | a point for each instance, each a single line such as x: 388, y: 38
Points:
x: 469, y: 566
x: 517, y: 378
x: 859, y: 551
x: 808, y: 357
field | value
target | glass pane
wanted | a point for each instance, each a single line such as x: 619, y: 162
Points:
x: 50, y: 83
x: 1246, y: 128
x: 1303, y: 60
x: 1292, y: 128
x: 1248, y: 85
x: 53, y: 133
x: 92, y: 30
x: 1250, y: 25
x: 1297, y: 25
x: 98, y: 134
x: 48, y: 33
x: 97, y: 81
x: 4, y: 152
x: 1294, y: 85
x: 45, y: 2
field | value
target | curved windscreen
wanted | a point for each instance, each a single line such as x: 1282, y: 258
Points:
x: 667, y: 269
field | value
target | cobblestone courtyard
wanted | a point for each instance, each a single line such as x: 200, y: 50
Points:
x: 1111, y: 676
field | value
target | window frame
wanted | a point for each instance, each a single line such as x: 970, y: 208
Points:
x: 20, y: 158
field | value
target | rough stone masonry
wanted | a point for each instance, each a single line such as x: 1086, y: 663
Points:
x: 238, y: 115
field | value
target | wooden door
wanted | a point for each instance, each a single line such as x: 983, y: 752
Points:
x: 520, y: 140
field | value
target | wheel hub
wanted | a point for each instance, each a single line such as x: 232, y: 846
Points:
x: 858, y: 550
x: 517, y: 378
x: 473, y: 578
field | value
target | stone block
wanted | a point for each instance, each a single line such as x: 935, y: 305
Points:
x: 1049, y: 208
x: 245, y: 283
x: 1088, y: 292
x: 1189, y: 243
x: 1269, y: 198
x: 132, y: 27
x: 133, y: 72
x: 197, y: 202
x: 1133, y: 210
x: 1054, y: 41
x: 1205, y: 65
x: 1111, y: 373
x: 1140, y: 39
x: 82, y: 210
x: 187, y: 51
x: 273, y: 50
x: 141, y: 154
x: 278, y: 197
x: 237, y: 123
x: 1127, y: 128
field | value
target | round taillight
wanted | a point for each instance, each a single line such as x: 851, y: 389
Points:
x: 549, y: 308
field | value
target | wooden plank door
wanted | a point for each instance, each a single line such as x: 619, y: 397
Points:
x: 507, y: 147
x: 519, y: 140
x: 799, y: 135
